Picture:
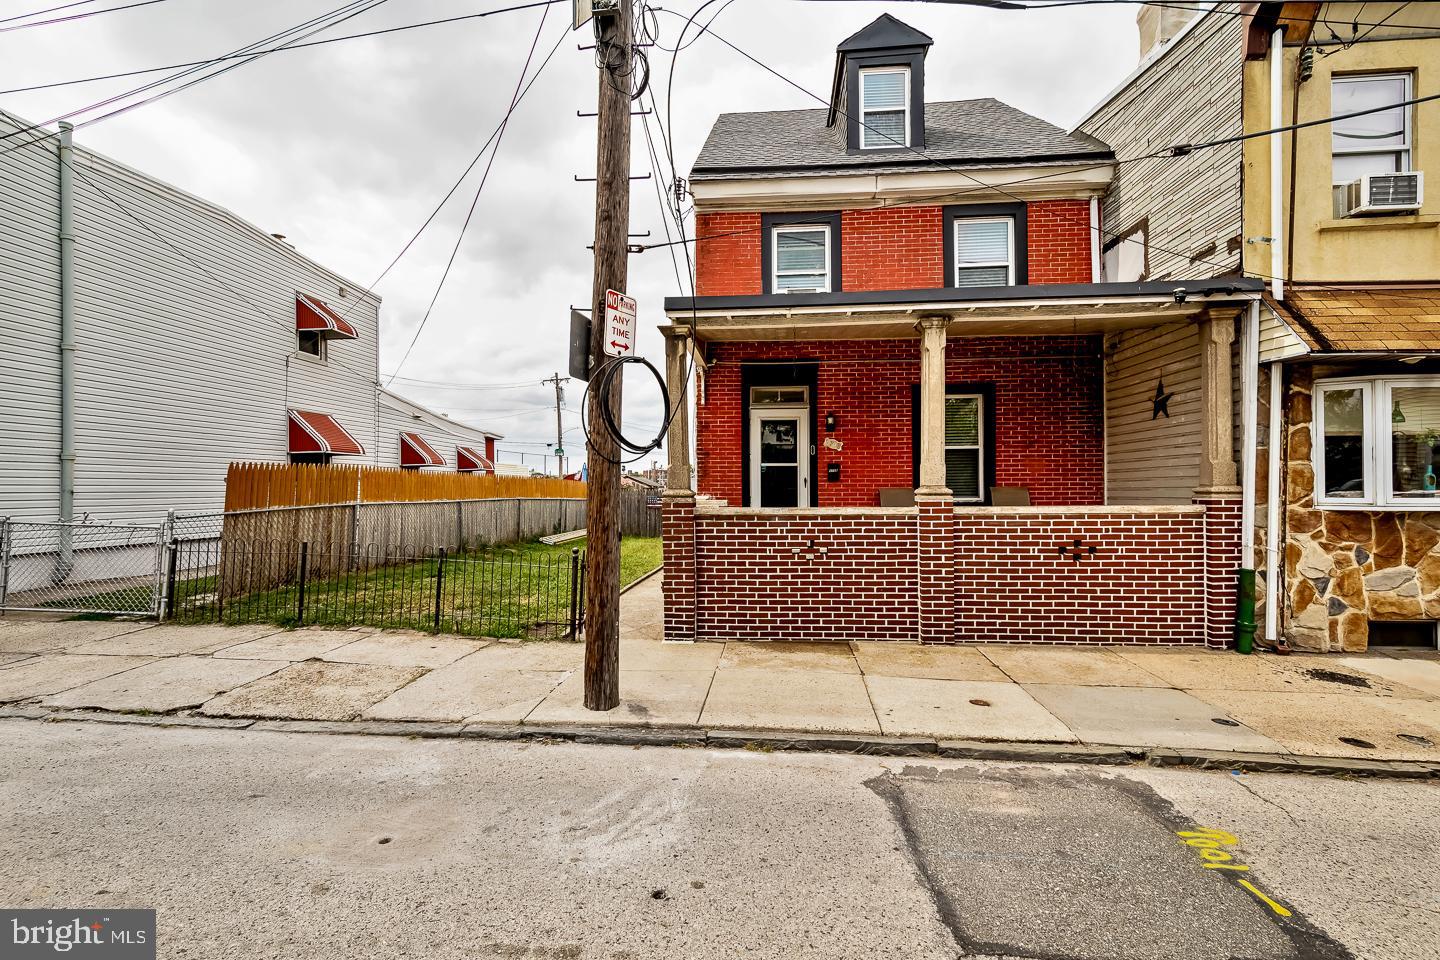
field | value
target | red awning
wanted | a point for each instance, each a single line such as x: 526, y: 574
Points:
x: 470, y: 460
x: 312, y: 314
x: 320, y: 433
x: 415, y: 452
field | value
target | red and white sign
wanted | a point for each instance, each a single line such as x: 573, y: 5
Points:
x: 619, y: 324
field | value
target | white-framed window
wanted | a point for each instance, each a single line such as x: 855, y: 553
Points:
x: 884, y: 108
x: 800, y: 259
x: 965, y: 447
x: 312, y: 343
x: 1377, y: 442
x: 1377, y: 142
x: 984, y: 251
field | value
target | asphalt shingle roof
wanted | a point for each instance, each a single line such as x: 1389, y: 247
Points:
x: 957, y: 133
x: 1375, y: 318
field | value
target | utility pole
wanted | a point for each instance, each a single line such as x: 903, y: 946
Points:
x: 559, y: 382
x: 614, y: 42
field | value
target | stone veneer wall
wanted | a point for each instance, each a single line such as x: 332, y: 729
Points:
x: 1344, y: 568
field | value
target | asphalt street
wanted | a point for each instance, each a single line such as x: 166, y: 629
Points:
x: 258, y: 844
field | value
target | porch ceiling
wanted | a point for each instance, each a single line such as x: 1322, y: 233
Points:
x: 887, y: 321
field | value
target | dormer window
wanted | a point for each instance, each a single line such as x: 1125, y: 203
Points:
x: 877, y: 100
x: 884, y: 108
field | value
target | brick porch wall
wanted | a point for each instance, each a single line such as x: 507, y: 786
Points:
x: 1146, y: 582
x: 872, y: 575
x: 752, y: 584
x: 1048, y: 414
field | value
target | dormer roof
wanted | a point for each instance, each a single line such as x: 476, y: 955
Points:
x: 884, y: 33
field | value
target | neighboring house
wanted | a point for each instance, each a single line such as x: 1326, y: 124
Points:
x: 1334, y: 217
x: 904, y: 425
x: 1352, y: 346
x: 196, y: 339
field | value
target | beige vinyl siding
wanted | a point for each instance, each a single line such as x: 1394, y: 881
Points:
x: 1190, y: 94
x: 29, y: 334
x: 1152, y: 461
x: 1277, y: 340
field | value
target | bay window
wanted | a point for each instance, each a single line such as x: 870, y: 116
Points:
x: 1377, y: 442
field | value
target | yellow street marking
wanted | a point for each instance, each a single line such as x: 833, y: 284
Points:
x: 1281, y: 911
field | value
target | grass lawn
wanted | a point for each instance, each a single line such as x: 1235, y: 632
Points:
x: 514, y: 590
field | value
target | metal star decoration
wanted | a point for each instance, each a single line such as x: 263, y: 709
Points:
x: 1161, y: 401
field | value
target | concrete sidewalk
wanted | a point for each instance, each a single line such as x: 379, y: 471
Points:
x: 1381, y: 706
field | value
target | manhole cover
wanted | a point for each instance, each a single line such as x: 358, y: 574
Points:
x: 1357, y: 742
x: 1225, y: 721
x: 980, y: 703
x: 1416, y: 739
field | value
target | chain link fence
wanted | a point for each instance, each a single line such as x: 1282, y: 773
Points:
x: 80, y: 567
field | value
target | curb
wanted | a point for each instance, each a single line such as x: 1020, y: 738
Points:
x: 767, y: 741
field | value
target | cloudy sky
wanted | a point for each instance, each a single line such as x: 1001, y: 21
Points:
x: 346, y: 148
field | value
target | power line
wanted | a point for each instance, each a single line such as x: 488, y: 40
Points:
x: 460, y: 237
x: 999, y: 188
x: 339, y: 15
x: 73, y: 16
x: 471, y: 166
x: 281, y: 49
x: 38, y: 13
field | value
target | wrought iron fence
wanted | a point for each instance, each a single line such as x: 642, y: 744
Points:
x: 494, y: 593
x: 79, y: 567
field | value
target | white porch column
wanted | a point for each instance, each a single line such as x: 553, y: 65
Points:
x: 932, y: 407
x: 677, y: 503
x: 678, y: 480
x: 1218, y: 474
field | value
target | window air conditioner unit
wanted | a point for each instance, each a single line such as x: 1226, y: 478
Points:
x: 1385, y: 193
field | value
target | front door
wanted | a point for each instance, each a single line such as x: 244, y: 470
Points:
x: 779, y: 456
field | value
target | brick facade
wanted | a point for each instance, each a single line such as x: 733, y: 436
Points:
x: 1048, y: 414
x: 1059, y: 241
x: 727, y: 254
x: 891, y: 248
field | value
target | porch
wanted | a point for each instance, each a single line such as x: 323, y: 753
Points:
x: 1057, y: 469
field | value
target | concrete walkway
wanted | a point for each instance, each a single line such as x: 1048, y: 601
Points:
x: 1380, y: 706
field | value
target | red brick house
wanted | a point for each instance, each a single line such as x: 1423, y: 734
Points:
x: 921, y: 413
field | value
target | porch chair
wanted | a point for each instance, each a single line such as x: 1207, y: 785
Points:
x: 1009, y: 496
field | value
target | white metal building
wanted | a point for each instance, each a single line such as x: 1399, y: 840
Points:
x: 197, y: 339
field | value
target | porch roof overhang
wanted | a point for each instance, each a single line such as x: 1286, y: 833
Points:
x: 1040, y: 309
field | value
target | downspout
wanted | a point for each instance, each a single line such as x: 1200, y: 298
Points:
x: 1094, y: 239
x: 67, y: 347
x: 1277, y: 156
x: 1273, y: 592
x: 1249, y: 430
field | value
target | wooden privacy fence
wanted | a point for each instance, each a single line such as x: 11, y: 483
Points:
x: 359, y: 535
x: 257, y: 486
